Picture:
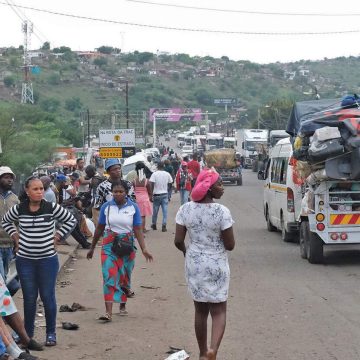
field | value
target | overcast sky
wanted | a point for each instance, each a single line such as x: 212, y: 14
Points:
x: 232, y: 26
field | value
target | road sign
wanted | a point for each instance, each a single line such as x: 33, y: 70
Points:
x: 112, y: 138
x: 116, y: 152
x: 225, y: 101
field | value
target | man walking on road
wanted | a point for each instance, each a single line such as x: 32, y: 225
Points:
x: 7, y: 200
x: 160, y: 180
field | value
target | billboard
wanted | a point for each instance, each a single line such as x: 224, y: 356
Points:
x: 225, y: 101
x: 175, y: 114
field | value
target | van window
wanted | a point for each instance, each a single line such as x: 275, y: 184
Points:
x: 274, y: 170
x: 283, y: 170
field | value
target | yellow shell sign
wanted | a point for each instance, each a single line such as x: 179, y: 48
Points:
x: 117, y: 137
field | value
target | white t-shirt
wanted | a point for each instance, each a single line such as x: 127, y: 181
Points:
x: 161, y: 179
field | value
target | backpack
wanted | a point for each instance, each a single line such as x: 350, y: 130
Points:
x: 182, y: 180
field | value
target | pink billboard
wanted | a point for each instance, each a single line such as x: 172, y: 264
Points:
x: 175, y: 114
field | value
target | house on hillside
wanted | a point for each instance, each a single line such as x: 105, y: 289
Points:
x: 89, y: 54
x: 304, y: 72
x: 289, y: 75
x: 36, y: 54
x: 57, y: 55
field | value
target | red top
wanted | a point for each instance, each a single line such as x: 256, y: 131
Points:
x: 194, y: 168
x: 187, y: 181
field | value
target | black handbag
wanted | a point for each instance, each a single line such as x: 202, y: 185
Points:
x: 123, y: 244
x: 122, y: 247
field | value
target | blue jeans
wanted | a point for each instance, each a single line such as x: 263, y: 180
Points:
x: 163, y: 201
x: 38, y: 276
x: 6, y: 256
x: 184, y: 196
x: 2, y: 347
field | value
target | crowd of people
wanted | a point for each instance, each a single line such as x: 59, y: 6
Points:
x: 114, y: 208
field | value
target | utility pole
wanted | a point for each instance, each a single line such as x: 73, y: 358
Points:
x: 27, y: 94
x: 88, y: 127
x: 127, y: 103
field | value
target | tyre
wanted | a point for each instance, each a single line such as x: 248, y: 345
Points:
x: 285, y: 235
x: 304, y: 238
x: 269, y: 225
x: 315, y: 250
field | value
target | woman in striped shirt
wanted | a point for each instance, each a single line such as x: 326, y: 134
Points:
x: 37, y: 262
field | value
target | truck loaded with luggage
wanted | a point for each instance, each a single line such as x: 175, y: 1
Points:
x: 225, y: 163
x: 325, y: 136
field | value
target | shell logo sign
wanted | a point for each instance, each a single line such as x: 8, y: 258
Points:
x: 117, y: 137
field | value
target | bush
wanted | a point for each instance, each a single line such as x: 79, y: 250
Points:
x: 9, y: 81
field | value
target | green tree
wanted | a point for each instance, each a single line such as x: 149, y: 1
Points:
x: 105, y: 49
x: 14, y: 62
x: 50, y: 104
x: 54, y: 79
x: 144, y: 57
x: 9, y: 81
x: 45, y: 46
x: 26, y: 144
x: 73, y: 104
x: 61, y: 49
x: 100, y: 61
x: 203, y: 97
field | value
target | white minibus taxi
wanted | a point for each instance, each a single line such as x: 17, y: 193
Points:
x: 282, y: 197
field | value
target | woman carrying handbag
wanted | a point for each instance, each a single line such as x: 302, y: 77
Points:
x: 119, y: 222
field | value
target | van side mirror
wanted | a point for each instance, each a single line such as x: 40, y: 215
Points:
x: 242, y: 146
x: 261, y: 175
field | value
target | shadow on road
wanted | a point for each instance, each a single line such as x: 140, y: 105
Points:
x: 342, y: 257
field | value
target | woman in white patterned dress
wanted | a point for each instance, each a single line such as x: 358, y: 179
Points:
x: 206, y: 264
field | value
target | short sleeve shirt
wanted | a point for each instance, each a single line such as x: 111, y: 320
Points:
x: 161, y: 180
x: 120, y: 219
x: 204, y: 223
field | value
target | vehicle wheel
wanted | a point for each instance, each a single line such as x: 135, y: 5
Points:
x: 304, y: 238
x: 285, y: 235
x: 269, y: 225
x: 315, y: 250
x: 239, y: 182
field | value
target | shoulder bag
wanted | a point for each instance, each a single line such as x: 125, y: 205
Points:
x: 123, y: 243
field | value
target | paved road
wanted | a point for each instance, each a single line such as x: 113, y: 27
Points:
x: 280, y: 307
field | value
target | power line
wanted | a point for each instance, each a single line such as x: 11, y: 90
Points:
x: 262, y: 33
x: 22, y: 16
x: 244, y: 11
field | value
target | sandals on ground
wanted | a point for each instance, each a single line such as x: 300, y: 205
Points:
x: 123, y: 312
x: 129, y: 293
x: 106, y: 317
x: 50, y: 340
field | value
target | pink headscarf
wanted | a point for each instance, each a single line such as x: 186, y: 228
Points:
x: 206, y: 179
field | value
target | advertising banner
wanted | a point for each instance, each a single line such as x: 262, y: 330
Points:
x: 175, y: 114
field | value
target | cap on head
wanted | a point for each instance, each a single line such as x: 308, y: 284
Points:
x: 61, y: 178
x: 6, y: 170
x: 111, y: 162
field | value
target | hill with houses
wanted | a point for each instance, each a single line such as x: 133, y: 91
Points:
x: 66, y: 82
